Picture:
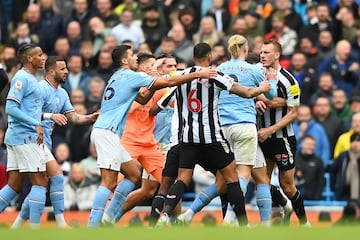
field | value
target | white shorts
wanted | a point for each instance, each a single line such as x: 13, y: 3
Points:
x: 146, y: 175
x: 260, y: 159
x: 242, y: 138
x: 109, y: 150
x: 48, y: 154
x: 26, y: 158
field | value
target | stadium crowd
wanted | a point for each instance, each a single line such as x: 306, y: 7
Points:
x: 320, y: 48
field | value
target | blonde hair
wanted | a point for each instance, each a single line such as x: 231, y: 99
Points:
x: 236, y: 42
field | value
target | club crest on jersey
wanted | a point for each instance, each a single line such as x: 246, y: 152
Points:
x: 17, y: 87
x: 57, y: 100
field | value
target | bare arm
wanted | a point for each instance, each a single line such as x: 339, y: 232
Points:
x: 162, y: 82
x: 144, y: 96
x: 249, y: 92
x: 276, y: 102
x: 265, y: 133
x: 154, y: 110
x: 81, y: 119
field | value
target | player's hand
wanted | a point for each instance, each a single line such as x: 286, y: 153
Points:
x: 263, y: 134
x: 270, y: 73
x: 94, y: 116
x: 260, y: 107
x: 207, y: 73
x: 265, y: 86
x: 40, y: 134
x: 59, y: 119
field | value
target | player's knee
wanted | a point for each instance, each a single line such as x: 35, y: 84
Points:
x: 57, y: 183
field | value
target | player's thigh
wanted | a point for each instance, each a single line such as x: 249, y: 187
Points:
x: 111, y: 154
x: 52, y: 167
x: 243, y: 141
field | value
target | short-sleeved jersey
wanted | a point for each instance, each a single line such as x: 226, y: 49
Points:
x: 119, y: 94
x: 55, y: 100
x: 24, y: 90
x: 198, y: 106
x: 288, y: 88
x: 139, y: 127
x: 233, y: 108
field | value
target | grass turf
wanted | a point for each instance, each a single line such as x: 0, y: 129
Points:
x: 185, y: 233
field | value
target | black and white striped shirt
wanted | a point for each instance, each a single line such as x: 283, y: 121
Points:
x: 197, y: 103
x: 288, y: 88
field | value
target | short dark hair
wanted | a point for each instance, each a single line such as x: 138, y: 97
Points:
x: 24, y: 49
x: 119, y: 53
x: 144, y: 56
x: 50, y: 62
x: 252, y: 58
x: 201, y: 50
x: 275, y: 43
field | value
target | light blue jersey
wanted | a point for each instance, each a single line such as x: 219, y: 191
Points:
x: 25, y: 91
x: 235, y: 109
x: 119, y: 94
x: 55, y: 100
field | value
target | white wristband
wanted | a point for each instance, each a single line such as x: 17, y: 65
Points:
x: 47, y: 115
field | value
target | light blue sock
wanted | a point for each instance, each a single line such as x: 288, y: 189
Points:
x: 101, y: 197
x: 243, y: 184
x: 57, y: 194
x: 37, y: 198
x: 6, y: 195
x: 122, y: 190
x: 204, y: 198
x: 263, y: 201
x: 25, y: 209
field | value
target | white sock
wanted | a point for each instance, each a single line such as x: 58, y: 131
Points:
x: 107, y: 218
x: 19, y: 221
x: 35, y: 225
x: 189, y: 214
x: 230, y: 216
x: 60, y: 220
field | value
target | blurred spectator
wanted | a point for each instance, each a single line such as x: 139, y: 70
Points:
x: 98, y: 33
x: 23, y: 35
x: 324, y: 22
x: 86, y: 51
x: 154, y: 29
x: 76, y: 78
x: 221, y: 15
x: 73, y: 34
x: 51, y: 25
x: 62, y: 47
x: 8, y: 52
x: 309, y: 170
x: 325, y: 44
x: 340, y: 106
x: 352, y: 5
x: 355, y: 44
x: 62, y: 156
x: 79, y: 191
x: 343, y: 142
x: 342, y: 67
x: 81, y: 13
x: 3, y: 176
x: 96, y: 89
x: 105, y: 11
x: 239, y: 26
x: 305, y: 125
x: 66, y: 7
x: 132, y: 30
x: 3, y: 152
x: 255, y: 25
x: 144, y: 47
x: 282, y: 33
x: 184, y: 47
x: 305, y: 76
x: 345, y: 24
x: 332, y: 125
x: 207, y: 32
x: 292, y: 19
x: 104, y: 68
x: 89, y: 164
x: 350, y: 214
x: 167, y: 46
x: 131, y: 5
x: 172, y: 8
x: 219, y: 53
x: 78, y: 136
x: 325, y: 88
x: 313, y: 58
x: 187, y: 17
x: 345, y: 171
x: 77, y: 96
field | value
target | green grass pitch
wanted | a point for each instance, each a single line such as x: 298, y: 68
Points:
x: 185, y: 233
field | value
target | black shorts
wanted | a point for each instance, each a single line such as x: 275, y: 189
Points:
x: 172, y: 162
x: 281, y: 150
x: 212, y: 157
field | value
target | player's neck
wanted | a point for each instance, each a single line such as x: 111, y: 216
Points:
x: 52, y: 82
x: 202, y: 63
x: 30, y: 69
